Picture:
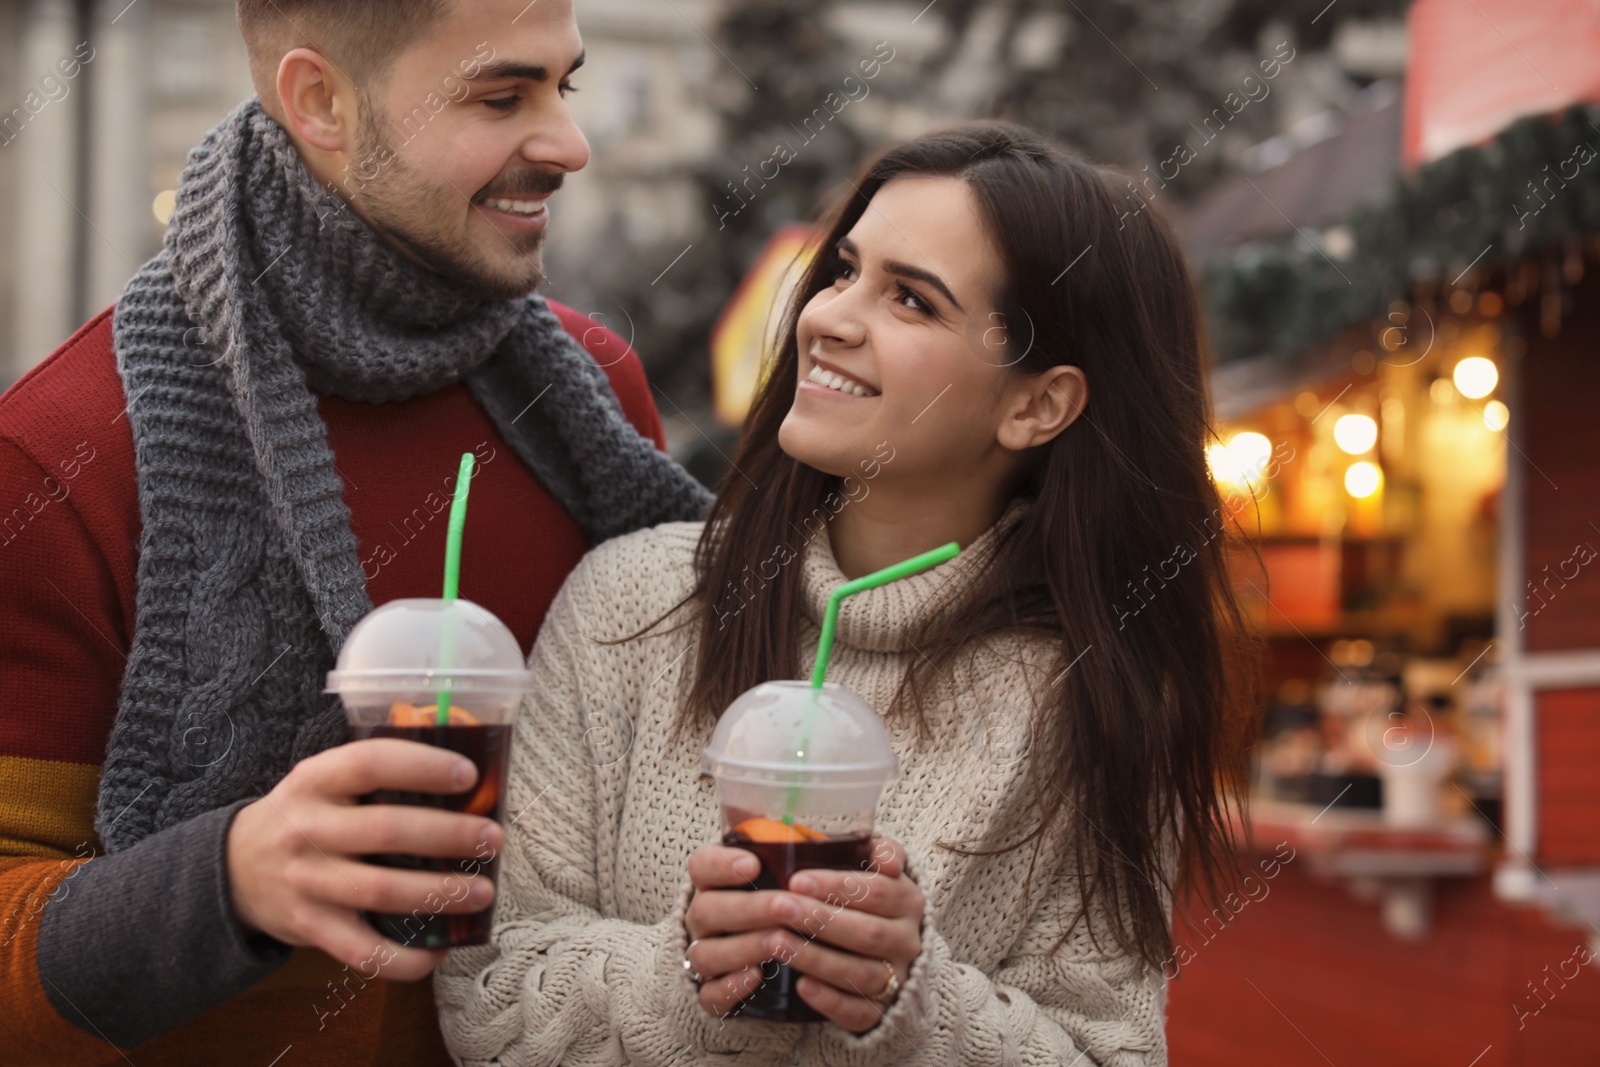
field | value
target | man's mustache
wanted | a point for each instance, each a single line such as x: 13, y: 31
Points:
x: 531, y: 185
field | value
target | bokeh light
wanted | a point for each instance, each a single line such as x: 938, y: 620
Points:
x: 1356, y: 434
x: 1362, y: 479
x: 1476, y: 377
x: 1496, y: 415
x: 163, y: 205
x: 1242, y: 460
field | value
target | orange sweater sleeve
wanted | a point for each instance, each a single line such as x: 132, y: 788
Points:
x: 35, y: 1033
x: 89, y: 942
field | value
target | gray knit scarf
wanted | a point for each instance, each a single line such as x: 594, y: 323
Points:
x: 268, y: 292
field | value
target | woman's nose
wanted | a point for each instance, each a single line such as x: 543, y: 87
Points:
x: 835, y: 318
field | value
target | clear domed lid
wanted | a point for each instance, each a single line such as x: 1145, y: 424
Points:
x: 789, y: 732
x: 429, y: 644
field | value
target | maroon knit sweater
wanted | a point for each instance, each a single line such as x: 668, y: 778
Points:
x: 69, y: 537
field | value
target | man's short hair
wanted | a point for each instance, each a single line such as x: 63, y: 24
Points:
x: 360, y: 37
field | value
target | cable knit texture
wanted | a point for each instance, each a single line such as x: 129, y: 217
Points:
x: 586, y: 963
x: 269, y: 291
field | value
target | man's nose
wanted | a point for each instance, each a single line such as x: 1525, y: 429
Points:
x: 561, y: 146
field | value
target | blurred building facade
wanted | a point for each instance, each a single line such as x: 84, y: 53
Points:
x: 101, y: 101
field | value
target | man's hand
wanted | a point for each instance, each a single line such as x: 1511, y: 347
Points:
x: 291, y: 867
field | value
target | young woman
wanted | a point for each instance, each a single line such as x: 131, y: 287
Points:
x: 990, y: 349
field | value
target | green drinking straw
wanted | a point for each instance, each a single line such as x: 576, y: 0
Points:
x: 830, y: 622
x: 452, y: 574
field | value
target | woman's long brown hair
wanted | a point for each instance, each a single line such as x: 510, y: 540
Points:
x: 1142, y: 743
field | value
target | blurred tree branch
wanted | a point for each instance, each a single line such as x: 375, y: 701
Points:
x: 1122, y: 81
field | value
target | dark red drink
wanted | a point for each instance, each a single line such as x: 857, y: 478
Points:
x: 488, y: 747
x: 776, y: 1000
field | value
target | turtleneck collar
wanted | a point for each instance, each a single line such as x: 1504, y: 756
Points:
x: 880, y: 620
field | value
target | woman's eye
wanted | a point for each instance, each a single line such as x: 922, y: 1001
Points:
x: 844, y: 271
x: 567, y: 87
x: 502, y: 103
x: 917, y: 303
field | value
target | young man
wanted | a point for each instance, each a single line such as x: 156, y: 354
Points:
x: 212, y: 481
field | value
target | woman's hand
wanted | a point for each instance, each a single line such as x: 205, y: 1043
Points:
x: 731, y: 928
x: 838, y: 928
x: 856, y: 922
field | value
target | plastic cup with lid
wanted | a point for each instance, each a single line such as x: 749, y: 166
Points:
x: 394, y: 668
x: 811, y: 760
x: 400, y: 657
x: 799, y: 771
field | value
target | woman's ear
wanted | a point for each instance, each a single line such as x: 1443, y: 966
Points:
x: 1040, y: 406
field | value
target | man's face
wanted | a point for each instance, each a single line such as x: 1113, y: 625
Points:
x: 467, y: 137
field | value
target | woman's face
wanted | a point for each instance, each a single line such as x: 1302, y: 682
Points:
x: 909, y: 329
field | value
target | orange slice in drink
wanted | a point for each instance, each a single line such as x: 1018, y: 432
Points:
x: 403, y: 714
x: 772, y: 831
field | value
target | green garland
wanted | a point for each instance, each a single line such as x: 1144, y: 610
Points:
x: 1278, y: 298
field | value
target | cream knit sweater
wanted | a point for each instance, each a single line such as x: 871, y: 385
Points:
x: 603, y: 811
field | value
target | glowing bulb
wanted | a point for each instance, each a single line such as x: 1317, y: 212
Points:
x: 1249, y: 452
x: 1496, y: 415
x: 1355, y: 434
x: 1362, y: 479
x: 1475, y: 377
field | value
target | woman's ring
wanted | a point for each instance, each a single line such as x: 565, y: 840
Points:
x: 890, y: 989
x: 688, y: 968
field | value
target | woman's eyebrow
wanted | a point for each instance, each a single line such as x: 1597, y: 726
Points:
x: 906, y: 270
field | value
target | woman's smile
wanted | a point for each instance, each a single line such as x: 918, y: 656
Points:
x: 830, y: 378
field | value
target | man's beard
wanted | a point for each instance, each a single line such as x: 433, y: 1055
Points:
x: 411, y: 214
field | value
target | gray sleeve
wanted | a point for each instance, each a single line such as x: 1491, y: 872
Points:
x: 141, y: 941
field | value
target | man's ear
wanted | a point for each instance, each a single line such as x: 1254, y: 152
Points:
x: 319, y: 103
x: 1041, y: 406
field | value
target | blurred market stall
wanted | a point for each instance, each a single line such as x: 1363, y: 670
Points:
x: 1405, y: 315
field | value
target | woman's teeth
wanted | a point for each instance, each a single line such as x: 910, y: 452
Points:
x: 517, y: 207
x: 829, y: 380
